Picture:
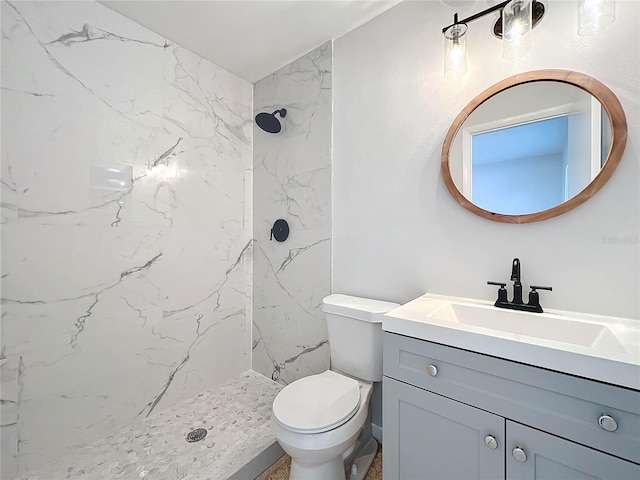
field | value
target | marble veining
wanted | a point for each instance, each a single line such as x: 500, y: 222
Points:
x: 236, y: 416
x: 292, y: 180
x: 125, y: 202
x: 9, y: 392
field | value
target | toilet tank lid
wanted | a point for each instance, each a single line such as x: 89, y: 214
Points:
x: 356, y: 307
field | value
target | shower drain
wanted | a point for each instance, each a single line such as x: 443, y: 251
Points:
x: 196, y: 435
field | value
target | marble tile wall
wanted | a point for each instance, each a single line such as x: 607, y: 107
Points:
x: 292, y: 180
x: 126, y: 226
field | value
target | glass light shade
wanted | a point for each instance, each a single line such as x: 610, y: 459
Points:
x: 595, y: 15
x: 516, y: 29
x: 455, y: 50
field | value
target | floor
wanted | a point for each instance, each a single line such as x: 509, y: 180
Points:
x: 280, y: 469
x: 236, y: 416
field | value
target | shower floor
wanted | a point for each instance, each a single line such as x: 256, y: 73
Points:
x: 239, y: 444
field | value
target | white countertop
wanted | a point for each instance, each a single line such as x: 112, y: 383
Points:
x: 597, y: 347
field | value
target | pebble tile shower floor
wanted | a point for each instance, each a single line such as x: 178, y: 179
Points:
x: 238, y: 444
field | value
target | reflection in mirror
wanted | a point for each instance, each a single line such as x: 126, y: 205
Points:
x: 543, y: 163
x: 531, y: 147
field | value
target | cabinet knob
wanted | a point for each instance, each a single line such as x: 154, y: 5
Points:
x: 432, y: 370
x: 607, y: 422
x: 519, y: 454
x: 491, y: 442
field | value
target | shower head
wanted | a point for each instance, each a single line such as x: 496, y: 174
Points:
x: 268, y: 121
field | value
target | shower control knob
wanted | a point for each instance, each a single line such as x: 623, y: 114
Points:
x: 280, y: 230
x: 491, y: 442
x: 519, y: 454
x: 607, y: 422
x: 432, y: 370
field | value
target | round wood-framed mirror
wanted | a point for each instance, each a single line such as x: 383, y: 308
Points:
x: 534, y: 146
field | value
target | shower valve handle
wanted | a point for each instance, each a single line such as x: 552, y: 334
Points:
x: 280, y: 230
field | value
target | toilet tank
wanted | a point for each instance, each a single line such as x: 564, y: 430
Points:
x: 355, y: 334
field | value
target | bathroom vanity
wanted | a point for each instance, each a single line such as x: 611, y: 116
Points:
x: 473, y: 392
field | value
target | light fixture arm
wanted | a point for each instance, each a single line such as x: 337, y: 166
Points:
x: 481, y: 14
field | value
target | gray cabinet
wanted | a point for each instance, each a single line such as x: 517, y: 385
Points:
x: 438, y: 437
x: 545, y: 457
x: 440, y: 403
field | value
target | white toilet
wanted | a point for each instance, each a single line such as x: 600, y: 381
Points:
x: 318, y: 419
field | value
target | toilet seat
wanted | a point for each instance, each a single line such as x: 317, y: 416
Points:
x: 317, y: 403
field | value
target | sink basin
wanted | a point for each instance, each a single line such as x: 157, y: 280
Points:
x: 554, y: 328
x: 591, y: 346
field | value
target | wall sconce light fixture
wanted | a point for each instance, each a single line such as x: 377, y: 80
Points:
x: 516, y: 29
x: 455, y: 49
x: 595, y: 15
x: 514, y: 26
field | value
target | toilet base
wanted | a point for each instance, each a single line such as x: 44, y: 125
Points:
x: 331, y: 470
x: 363, y: 461
x: 335, y: 469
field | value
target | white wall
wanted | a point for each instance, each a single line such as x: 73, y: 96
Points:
x: 292, y: 181
x: 115, y: 302
x: 398, y: 233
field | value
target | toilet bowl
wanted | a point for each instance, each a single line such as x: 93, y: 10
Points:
x: 320, y: 420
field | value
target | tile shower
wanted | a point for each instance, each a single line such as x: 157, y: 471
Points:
x: 117, y: 300
x: 292, y: 180
x: 133, y: 251
x: 239, y: 446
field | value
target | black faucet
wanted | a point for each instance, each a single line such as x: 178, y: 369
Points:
x: 515, y: 278
x: 517, y: 304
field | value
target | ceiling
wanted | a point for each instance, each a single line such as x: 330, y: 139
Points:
x: 251, y: 38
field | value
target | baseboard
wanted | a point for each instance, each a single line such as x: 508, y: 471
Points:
x: 376, y: 431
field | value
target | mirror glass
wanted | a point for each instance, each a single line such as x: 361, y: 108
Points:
x: 530, y: 148
x: 526, y: 147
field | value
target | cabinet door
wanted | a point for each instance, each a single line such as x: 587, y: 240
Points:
x: 546, y: 457
x: 428, y: 436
